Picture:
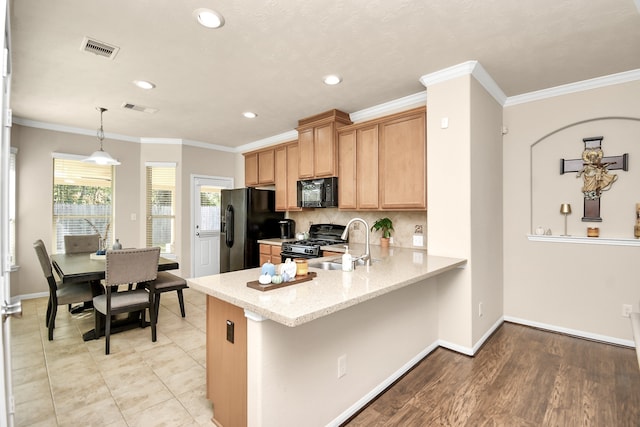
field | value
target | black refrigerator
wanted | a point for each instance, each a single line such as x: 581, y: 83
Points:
x: 248, y: 215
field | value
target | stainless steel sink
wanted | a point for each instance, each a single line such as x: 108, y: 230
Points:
x: 326, y: 265
x: 335, y: 264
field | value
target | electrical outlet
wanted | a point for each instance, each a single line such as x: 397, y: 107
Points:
x: 626, y: 310
x: 418, y: 240
x: 480, y: 312
x: 342, y: 366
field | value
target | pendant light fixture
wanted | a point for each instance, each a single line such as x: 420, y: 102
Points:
x: 101, y: 157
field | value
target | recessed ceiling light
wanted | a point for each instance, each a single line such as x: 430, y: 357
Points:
x: 250, y: 115
x: 143, y: 84
x: 332, y: 79
x: 209, y: 18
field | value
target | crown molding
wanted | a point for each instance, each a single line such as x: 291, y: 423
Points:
x: 470, y: 67
x: 276, y: 139
x: 70, y: 129
x: 404, y: 103
x: 598, y: 82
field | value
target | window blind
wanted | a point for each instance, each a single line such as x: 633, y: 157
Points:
x: 161, y: 188
x: 82, y: 200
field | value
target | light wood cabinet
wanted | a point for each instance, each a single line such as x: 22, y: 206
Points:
x: 382, y: 163
x: 330, y: 253
x: 226, y: 362
x: 317, y: 144
x: 403, y: 161
x: 358, y: 167
x: 259, y: 167
x: 292, y: 177
x: 281, y: 177
x: 270, y: 253
x: 286, y: 176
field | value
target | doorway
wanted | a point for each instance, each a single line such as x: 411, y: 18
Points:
x: 205, y: 236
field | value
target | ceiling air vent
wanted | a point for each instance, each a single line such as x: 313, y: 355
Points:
x: 142, y: 108
x: 99, y: 48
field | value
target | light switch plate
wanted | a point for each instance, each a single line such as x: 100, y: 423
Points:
x: 418, y: 240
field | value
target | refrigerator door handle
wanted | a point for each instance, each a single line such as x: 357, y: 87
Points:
x: 228, y: 231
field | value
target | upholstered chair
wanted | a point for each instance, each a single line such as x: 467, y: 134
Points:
x: 123, y: 267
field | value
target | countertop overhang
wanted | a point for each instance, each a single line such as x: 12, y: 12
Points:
x: 331, y: 290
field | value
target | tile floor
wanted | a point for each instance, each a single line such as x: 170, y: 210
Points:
x: 69, y: 382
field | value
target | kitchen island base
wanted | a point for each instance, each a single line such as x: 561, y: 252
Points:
x: 294, y: 374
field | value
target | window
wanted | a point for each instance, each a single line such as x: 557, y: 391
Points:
x: 82, y: 199
x: 161, y: 206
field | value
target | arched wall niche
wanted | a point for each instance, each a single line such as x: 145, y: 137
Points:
x: 549, y: 189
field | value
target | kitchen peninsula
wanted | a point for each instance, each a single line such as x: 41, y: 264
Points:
x: 314, y: 352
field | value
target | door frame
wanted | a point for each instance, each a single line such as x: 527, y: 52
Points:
x: 192, y: 207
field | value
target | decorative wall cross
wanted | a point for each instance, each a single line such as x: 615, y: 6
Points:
x: 594, y: 170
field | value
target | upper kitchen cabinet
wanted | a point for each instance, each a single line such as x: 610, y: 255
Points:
x: 358, y: 167
x: 383, y: 164
x: 259, y: 167
x: 317, y: 144
x: 403, y: 161
x: 286, y: 176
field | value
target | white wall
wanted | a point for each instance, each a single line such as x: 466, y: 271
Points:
x: 578, y: 288
x: 377, y: 337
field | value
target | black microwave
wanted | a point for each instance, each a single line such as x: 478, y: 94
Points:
x: 318, y: 193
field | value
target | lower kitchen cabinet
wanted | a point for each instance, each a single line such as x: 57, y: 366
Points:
x: 227, y: 362
x: 269, y: 253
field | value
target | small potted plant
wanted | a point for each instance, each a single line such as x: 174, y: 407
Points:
x: 386, y: 225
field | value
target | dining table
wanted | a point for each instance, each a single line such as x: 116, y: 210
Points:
x: 86, y: 267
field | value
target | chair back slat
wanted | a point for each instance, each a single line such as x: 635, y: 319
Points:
x: 81, y: 243
x: 131, y: 266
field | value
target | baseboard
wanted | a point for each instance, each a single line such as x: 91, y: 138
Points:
x: 29, y: 296
x: 573, y: 332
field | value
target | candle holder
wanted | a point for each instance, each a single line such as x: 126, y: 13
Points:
x: 565, y: 209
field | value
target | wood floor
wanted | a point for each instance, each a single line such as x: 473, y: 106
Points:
x: 521, y: 377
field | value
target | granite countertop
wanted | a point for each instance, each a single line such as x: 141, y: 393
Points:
x: 330, y: 290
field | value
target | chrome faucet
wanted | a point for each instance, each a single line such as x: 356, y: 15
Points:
x: 366, y: 258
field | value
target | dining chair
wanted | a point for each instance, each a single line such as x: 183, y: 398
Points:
x: 167, y: 282
x: 122, y: 268
x: 59, y: 293
x: 81, y: 243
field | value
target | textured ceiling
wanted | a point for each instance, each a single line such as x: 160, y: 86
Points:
x: 271, y: 55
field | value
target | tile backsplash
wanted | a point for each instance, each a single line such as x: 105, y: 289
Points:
x: 403, y: 223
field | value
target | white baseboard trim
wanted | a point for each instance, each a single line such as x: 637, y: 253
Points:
x: 574, y: 332
x: 362, y: 402
x: 471, y: 351
x: 29, y: 296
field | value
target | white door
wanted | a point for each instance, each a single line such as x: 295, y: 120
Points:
x: 6, y: 393
x: 205, y: 259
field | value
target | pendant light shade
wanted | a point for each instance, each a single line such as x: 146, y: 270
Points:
x: 101, y: 157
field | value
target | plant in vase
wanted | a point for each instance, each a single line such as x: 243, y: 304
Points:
x: 386, y: 225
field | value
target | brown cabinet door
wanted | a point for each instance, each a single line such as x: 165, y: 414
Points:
x: 367, y: 167
x: 266, y: 167
x: 227, y: 363
x: 281, y: 177
x: 251, y: 169
x: 292, y: 177
x: 305, y: 153
x: 347, y: 198
x: 403, y: 160
x: 324, y: 150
